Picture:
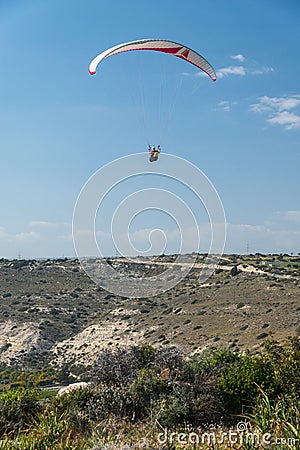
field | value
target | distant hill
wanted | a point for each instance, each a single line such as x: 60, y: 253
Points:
x: 52, y: 312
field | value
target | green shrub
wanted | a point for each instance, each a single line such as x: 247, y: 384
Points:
x: 145, y: 389
x: 81, y: 408
x: 141, y: 381
x: 110, y: 401
x: 285, y: 360
x: 240, y: 305
x: 240, y: 382
x: 275, y: 370
x: 216, y: 359
x: 145, y: 354
x: 194, y: 399
x: 170, y: 411
x: 234, y: 271
x: 192, y: 394
x: 18, y: 408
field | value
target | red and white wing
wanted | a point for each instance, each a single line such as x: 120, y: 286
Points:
x: 157, y: 45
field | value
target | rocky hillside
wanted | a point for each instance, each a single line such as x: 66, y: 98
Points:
x: 52, y: 312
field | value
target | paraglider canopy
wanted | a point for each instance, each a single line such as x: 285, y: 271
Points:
x: 158, y: 45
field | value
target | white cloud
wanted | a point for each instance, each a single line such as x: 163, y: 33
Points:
x: 21, y: 236
x: 241, y: 70
x: 42, y: 224
x: 293, y: 216
x: 27, y: 236
x: 231, y: 70
x: 261, y: 71
x: 225, y: 105
x: 238, y: 57
x: 225, y: 71
x: 278, y: 110
x: 287, y: 119
x: 261, y: 238
x: 244, y: 227
x: 266, y: 103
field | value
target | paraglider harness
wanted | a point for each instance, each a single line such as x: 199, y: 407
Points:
x: 153, y: 153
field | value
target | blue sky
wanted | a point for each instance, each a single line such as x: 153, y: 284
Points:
x: 59, y: 124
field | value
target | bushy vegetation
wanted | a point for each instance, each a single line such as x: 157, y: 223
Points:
x: 276, y: 371
x: 18, y: 409
x: 13, y: 378
x: 138, y: 391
